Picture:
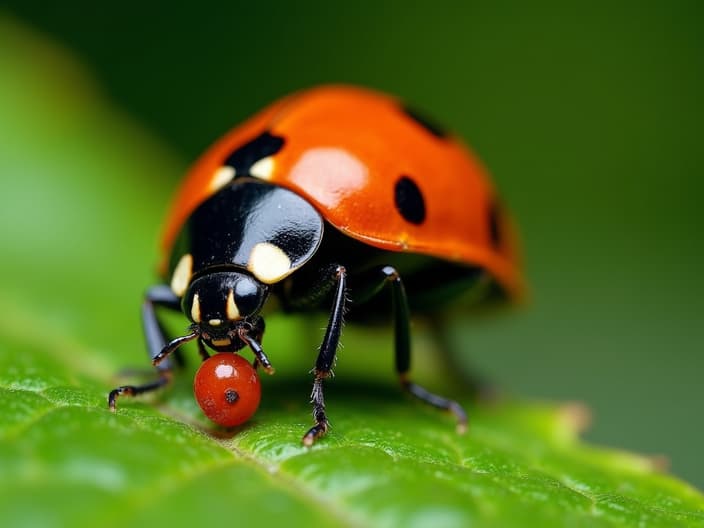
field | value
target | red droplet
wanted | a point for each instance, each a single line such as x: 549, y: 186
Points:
x: 227, y: 388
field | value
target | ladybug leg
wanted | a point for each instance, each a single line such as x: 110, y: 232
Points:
x: 253, y: 338
x: 154, y: 332
x: 157, y: 345
x: 260, y: 357
x: 337, y: 279
x: 387, y: 275
x: 134, y: 390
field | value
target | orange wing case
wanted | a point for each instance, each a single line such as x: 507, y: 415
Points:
x: 344, y: 150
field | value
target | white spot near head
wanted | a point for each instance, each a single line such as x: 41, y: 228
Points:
x: 215, y: 322
x: 221, y: 177
x: 195, y: 309
x: 268, y: 263
x: 182, y: 275
x: 233, y: 313
x: 263, y: 168
x: 329, y: 174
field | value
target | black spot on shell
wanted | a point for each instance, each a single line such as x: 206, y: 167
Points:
x: 409, y: 200
x: 231, y: 396
x: 495, y: 224
x: 428, y: 124
x: 248, y: 154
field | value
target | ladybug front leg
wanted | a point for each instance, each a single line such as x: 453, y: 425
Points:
x: 387, y: 275
x: 154, y: 335
x: 253, y: 338
x: 328, y: 349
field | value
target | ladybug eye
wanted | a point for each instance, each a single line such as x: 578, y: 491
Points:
x: 248, y: 295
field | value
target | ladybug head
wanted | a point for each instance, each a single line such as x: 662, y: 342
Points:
x: 224, y: 307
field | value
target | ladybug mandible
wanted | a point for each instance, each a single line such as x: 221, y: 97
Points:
x: 324, y: 200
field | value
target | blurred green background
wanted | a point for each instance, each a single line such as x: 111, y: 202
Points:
x: 588, y: 116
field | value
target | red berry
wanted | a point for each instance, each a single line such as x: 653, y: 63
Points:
x: 227, y: 388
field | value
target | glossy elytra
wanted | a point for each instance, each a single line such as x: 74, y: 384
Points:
x: 324, y: 200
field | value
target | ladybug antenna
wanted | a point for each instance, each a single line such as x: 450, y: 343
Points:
x: 174, y: 344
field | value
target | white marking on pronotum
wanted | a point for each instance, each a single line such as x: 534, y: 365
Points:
x: 195, y: 309
x: 221, y: 177
x: 182, y: 275
x: 263, y: 169
x: 215, y: 322
x: 268, y: 263
x: 233, y: 313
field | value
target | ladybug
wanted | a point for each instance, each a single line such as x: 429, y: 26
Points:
x: 339, y: 199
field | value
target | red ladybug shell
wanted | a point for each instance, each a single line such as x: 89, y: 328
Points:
x: 345, y: 149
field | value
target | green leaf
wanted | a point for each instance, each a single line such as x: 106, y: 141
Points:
x: 83, y: 192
